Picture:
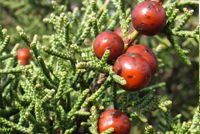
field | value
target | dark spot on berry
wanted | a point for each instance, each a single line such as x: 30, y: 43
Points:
x: 139, y: 28
x: 143, y: 23
x: 137, y: 63
x: 146, y: 15
x: 149, y: 7
x: 130, y: 76
x: 147, y: 77
x: 152, y: 24
x: 119, y: 71
x: 147, y: 51
x: 116, y: 114
x: 134, y: 17
x: 98, y: 45
x: 134, y: 59
x: 111, y: 113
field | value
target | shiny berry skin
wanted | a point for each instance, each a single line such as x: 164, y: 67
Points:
x: 148, y: 18
x: 134, y: 69
x: 116, y: 119
x: 147, y: 53
x: 108, y: 40
x: 24, y: 55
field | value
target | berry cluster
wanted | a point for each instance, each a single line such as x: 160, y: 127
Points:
x: 137, y: 64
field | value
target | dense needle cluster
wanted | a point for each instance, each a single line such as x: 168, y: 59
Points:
x: 63, y: 86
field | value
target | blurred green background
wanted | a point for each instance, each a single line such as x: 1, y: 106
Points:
x: 182, y: 81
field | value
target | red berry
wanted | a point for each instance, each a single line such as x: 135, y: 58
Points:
x: 24, y: 53
x: 23, y: 61
x: 148, y: 18
x: 135, y: 70
x: 108, y: 40
x: 147, y: 53
x: 116, y: 119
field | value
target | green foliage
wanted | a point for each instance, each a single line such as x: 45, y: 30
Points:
x: 65, y: 87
